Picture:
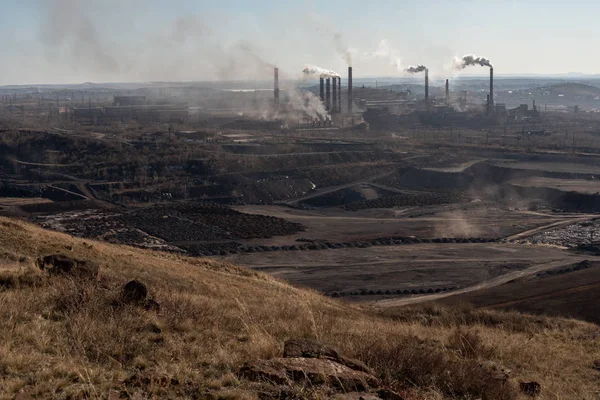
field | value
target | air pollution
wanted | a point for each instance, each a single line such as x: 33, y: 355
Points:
x: 471, y: 60
x: 416, y: 69
x: 386, y: 52
x: 342, y: 48
x: 310, y: 70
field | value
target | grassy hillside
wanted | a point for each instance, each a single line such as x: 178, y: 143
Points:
x: 64, y: 337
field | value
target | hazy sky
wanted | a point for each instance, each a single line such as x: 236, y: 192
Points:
x: 71, y: 41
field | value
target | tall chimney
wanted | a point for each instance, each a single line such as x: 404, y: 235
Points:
x: 447, y: 92
x: 491, y: 86
x: 334, y: 93
x: 350, y: 90
x: 276, y: 93
x: 340, y: 94
x: 426, y: 85
x: 328, y: 94
x: 322, y: 83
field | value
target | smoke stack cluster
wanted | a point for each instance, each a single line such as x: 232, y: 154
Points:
x: 276, y: 90
x: 350, y: 90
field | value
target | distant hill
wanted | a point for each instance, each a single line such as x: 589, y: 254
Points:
x: 572, y: 89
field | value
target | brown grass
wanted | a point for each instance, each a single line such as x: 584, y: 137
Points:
x: 62, y: 338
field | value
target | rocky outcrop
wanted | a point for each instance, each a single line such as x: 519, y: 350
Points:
x: 531, y: 389
x: 307, y: 362
x: 60, y: 264
x: 311, y: 349
x: 286, y: 371
x: 134, y: 292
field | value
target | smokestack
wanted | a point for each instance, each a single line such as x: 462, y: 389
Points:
x: 334, y: 100
x: 350, y: 90
x: 322, y: 82
x: 328, y: 94
x: 491, y: 86
x: 447, y: 92
x: 427, y: 85
x: 276, y: 91
x: 488, y: 105
x: 340, y: 94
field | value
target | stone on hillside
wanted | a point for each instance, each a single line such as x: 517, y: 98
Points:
x: 134, y: 292
x: 356, y: 396
x: 311, y: 349
x: 496, y: 370
x: 285, y: 371
x: 60, y: 264
x: 531, y: 389
x: 152, y: 305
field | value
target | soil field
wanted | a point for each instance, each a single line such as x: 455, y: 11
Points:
x: 351, y: 272
x: 164, y: 224
x: 587, y: 186
x: 476, y: 219
x: 566, y: 292
x: 565, y: 167
x: 19, y: 201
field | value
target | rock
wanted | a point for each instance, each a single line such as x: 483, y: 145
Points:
x: 134, y: 292
x: 531, y: 389
x: 311, y: 349
x: 356, y: 396
x: 496, y: 370
x: 284, y: 371
x: 59, y: 264
x: 152, y: 305
x: 386, y: 394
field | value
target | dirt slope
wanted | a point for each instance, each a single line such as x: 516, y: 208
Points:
x: 568, y: 293
x: 64, y: 337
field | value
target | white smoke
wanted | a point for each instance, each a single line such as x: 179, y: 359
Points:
x: 342, y: 48
x: 416, y: 69
x: 304, y: 103
x: 310, y: 70
x: 470, y: 60
x: 384, y: 53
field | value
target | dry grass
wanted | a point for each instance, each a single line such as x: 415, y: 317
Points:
x: 61, y: 338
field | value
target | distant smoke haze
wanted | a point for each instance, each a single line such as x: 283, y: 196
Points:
x: 471, y: 60
x: 68, y: 31
x: 95, y: 41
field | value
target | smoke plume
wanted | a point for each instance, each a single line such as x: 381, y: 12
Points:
x: 470, y: 60
x: 386, y: 53
x: 416, y: 69
x: 303, y: 103
x: 342, y: 48
x: 68, y: 30
x: 322, y: 72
